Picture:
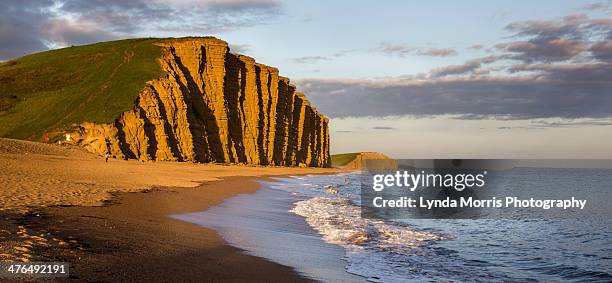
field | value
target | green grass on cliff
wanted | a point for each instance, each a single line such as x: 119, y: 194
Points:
x: 54, y: 90
x: 343, y: 159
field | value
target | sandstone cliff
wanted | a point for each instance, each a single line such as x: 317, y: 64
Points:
x: 214, y: 106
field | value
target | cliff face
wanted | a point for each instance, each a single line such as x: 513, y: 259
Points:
x: 214, y: 106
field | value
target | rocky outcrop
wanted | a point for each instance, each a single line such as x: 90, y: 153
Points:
x: 371, y: 161
x: 214, y: 106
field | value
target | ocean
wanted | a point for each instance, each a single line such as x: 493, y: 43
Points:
x: 314, y: 224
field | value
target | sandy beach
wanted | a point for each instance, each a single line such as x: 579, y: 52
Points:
x: 64, y: 204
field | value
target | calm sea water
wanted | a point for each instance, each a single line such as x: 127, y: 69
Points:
x: 300, y: 222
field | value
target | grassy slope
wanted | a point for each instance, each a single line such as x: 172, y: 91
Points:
x: 55, y: 90
x: 343, y: 159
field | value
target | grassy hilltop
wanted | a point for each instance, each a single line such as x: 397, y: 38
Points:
x: 53, y: 90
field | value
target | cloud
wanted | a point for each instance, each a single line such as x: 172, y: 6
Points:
x: 35, y: 25
x: 383, y: 128
x: 602, y: 51
x: 21, y: 25
x: 475, y: 47
x: 540, y: 91
x: 319, y: 58
x: 560, y: 123
x: 468, y: 67
x: 240, y: 48
x: 394, y: 50
x: 404, y: 50
x: 552, y: 68
x: 437, y: 52
x: 569, y: 26
x: 545, y: 51
x: 605, y: 6
x: 557, y: 68
x: 343, y: 53
x: 571, y: 123
x: 558, y: 40
x: 60, y: 32
x: 310, y: 59
x: 240, y: 5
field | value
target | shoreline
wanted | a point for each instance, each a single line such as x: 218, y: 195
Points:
x: 264, y: 225
x: 132, y: 238
x: 109, y: 220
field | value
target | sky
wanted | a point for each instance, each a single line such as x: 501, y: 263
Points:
x: 412, y: 79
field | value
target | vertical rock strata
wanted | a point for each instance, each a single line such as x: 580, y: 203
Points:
x: 214, y: 106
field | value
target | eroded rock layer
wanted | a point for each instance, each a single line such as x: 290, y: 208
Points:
x: 214, y: 106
